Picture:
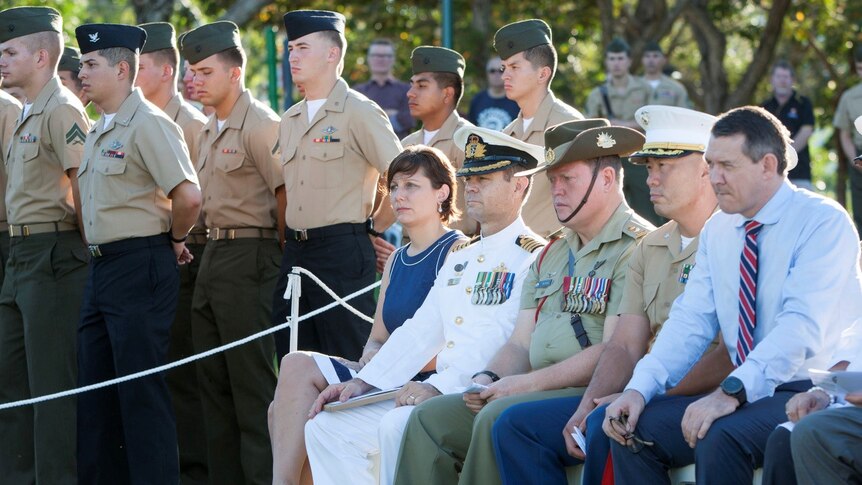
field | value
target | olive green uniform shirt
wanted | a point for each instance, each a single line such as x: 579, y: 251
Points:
x: 658, y: 270
x: 850, y: 108
x: 44, y: 145
x: 668, y: 92
x: 129, y: 167
x: 606, y: 256
x: 443, y: 141
x: 624, y: 103
x: 239, y: 168
x: 10, y: 111
x: 538, y: 212
x: 332, y: 165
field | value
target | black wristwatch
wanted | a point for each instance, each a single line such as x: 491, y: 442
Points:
x: 369, y: 228
x: 494, y: 377
x: 734, y: 388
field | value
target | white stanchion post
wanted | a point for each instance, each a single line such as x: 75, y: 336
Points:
x: 293, y: 292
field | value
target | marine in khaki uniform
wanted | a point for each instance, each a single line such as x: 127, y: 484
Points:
x: 46, y: 270
x: 10, y: 112
x: 850, y: 108
x: 468, y: 314
x: 657, y: 273
x: 568, y: 309
x: 617, y: 99
x: 435, y: 91
x: 243, y: 207
x: 67, y: 70
x: 666, y: 91
x: 529, y: 65
x: 158, y: 70
x: 335, y: 144
x: 140, y: 198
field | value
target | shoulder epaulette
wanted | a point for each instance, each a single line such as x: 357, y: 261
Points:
x: 637, y: 228
x: 463, y: 244
x: 556, y: 234
x: 529, y: 243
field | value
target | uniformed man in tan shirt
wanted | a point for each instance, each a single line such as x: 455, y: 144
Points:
x: 335, y: 144
x: 849, y: 108
x: 529, y: 64
x: 140, y: 198
x: 10, y: 112
x: 568, y: 309
x: 435, y: 91
x: 46, y: 270
x: 617, y: 99
x: 67, y: 70
x: 666, y: 91
x: 158, y: 69
x: 656, y: 275
x: 243, y: 207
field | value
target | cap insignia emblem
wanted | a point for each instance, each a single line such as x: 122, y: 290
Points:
x: 426, y: 60
x: 550, y: 156
x: 511, y: 44
x: 475, y: 148
x: 643, y: 117
x: 605, y: 141
x: 94, y: 37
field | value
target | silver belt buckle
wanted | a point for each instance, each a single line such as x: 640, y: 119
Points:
x: 95, y: 251
x: 300, y: 234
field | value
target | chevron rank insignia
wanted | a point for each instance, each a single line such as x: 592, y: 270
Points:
x: 75, y: 135
x: 529, y: 243
x: 277, y: 148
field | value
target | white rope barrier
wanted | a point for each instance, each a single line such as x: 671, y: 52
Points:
x: 293, y: 287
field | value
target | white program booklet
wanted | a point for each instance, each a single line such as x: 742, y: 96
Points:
x: 838, y: 383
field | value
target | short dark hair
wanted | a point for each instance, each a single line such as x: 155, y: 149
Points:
x: 782, y: 64
x: 115, y: 55
x: 169, y: 56
x: 510, y: 172
x: 336, y: 38
x: 450, y: 79
x: 542, y: 56
x: 763, y: 132
x: 382, y: 41
x: 612, y: 161
x: 436, y: 166
x: 233, y: 57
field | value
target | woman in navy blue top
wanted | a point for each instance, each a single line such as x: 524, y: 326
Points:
x: 421, y: 183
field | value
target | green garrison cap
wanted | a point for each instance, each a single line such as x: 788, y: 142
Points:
x: 520, y: 36
x: 20, y: 21
x: 70, y: 60
x: 618, y: 45
x: 160, y: 35
x: 437, y: 59
x: 587, y: 139
x: 652, y: 46
x: 209, y: 39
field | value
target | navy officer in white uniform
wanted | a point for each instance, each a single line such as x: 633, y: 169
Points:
x: 467, y: 316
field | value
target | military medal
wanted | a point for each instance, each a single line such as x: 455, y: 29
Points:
x: 28, y: 138
x: 228, y: 151
x: 327, y: 136
x: 686, y: 271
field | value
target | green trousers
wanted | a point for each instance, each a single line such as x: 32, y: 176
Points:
x: 232, y: 300
x: 443, y: 437
x: 183, y: 381
x: 4, y: 254
x: 39, y: 312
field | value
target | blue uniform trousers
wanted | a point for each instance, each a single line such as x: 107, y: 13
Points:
x: 529, y: 445
x: 778, y: 460
x: 127, y: 433
x: 733, y: 447
x: 340, y: 255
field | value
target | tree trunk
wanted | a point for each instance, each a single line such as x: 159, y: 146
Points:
x: 712, y: 45
x: 762, y: 58
x: 242, y: 11
x: 153, y: 10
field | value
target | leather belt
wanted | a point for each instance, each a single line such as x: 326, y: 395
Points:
x: 131, y: 244
x: 24, y: 230
x: 219, y: 233
x: 197, y: 238
x: 342, y: 229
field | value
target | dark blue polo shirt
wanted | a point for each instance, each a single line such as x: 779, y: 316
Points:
x: 796, y: 113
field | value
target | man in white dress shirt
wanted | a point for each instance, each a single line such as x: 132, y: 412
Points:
x: 777, y: 273
x: 466, y: 317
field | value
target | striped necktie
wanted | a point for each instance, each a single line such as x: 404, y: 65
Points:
x: 747, y: 292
